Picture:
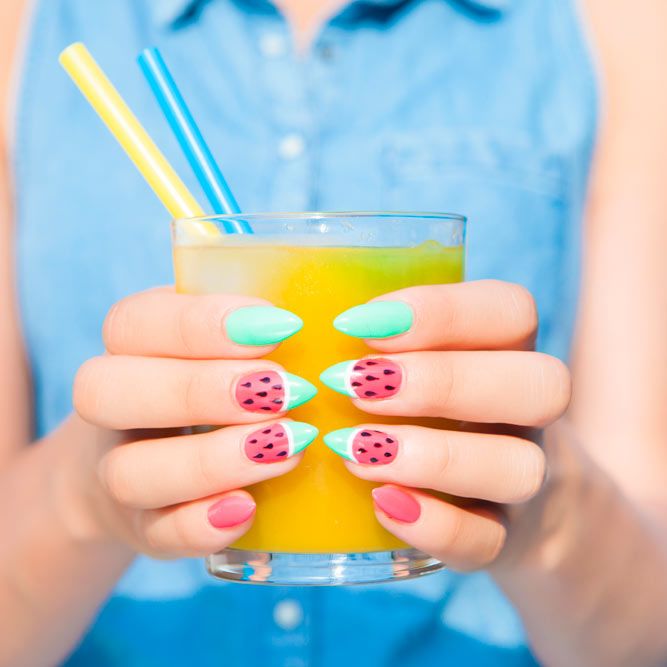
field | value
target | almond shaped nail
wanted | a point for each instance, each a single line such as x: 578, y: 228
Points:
x: 361, y: 445
x: 397, y: 504
x: 277, y: 442
x: 261, y: 325
x: 378, y: 319
x: 269, y: 392
x: 370, y: 379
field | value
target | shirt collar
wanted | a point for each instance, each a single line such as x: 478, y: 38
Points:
x: 168, y: 12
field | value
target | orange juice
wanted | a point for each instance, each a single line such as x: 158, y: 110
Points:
x: 319, y: 507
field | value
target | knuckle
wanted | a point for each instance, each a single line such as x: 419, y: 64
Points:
x: 194, y: 396
x: 495, y: 545
x: 522, y: 307
x: 86, y: 390
x: 116, y: 477
x: 208, y: 467
x: 187, y: 324
x: 115, y: 327
x: 443, y: 459
x: 552, y: 388
x: 455, y: 531
x: 532, y: 472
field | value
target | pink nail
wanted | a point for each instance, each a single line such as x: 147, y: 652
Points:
x: 375, y: 378
x: 231, y: 511
x: 397, y: 504
x: 261, y: 392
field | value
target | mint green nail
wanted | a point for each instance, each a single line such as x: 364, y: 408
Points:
x: 378, y: 319
x: 261, y: 325
x: 340, y: 442
x: 299, y: 391
x: 337, y: 377
x: 302, y: 435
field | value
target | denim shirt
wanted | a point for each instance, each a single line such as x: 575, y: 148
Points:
x: 482, y: 107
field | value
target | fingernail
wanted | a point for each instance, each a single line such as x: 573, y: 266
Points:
x: 361, y: 445
x: 397, y: 504
x: 278, y: 442
x: 261, y: 325
x: 231, y: 511
x: 378, y: 319
x: 368, y: 378
x: 273, y: 391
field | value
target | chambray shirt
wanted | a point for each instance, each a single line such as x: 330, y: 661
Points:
x: 482, y: 107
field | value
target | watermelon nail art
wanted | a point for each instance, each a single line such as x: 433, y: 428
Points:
x: 277, y: 442
x: 370, y: 379
x: 269, y: 392
x: 363, y: 445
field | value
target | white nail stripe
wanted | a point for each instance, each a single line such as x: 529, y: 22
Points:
x: 348, y: 379
x: 350, y: 444
x: 290, y: 438
x: 286, y: 389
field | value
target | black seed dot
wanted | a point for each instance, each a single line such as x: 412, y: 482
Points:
x: 266, y: 431
x: 263, y: 394
x: 247, y: 384
x: 371, y: 363
x: 386, y: 371
x: 358, y: 368
x: 356, y: 384
x: 253, y: 441
x: 377, y: 444
x: 248, y: 401
x: 269, y: 446
x: 388, y: 454
x: 277, y: 401
x: 280, y: 435
x: 265, y: 380
x: 258, y: 456
x: 282, y: 453
x: 361, y: 450
x: 371, y: 378
x: 264, y: 407
x: 277, y: 387
x: 365, y: 434
x: 389, y: 440
x: 388, y: 387
x: 373, y: 459
x: 369, y: 393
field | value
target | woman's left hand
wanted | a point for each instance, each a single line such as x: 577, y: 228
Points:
x: 461, y: 352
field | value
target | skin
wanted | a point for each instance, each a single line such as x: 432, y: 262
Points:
x: 556, y: 543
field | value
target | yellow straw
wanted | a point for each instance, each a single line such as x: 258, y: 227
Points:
x: 130, y: 134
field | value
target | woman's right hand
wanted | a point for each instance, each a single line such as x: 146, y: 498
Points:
x: 171, y: 363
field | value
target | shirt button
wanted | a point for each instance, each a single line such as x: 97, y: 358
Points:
x: 288, y: 614
x: 272, y: 45
x: 291, y: 146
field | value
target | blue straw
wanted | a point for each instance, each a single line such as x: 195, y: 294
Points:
x: 191, y: 140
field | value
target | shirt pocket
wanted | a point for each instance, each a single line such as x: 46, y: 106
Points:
x: 511, y: 189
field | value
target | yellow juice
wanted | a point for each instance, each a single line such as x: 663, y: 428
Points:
x: 319, y: 507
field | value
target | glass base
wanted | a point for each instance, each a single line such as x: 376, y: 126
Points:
x: 262, y: 567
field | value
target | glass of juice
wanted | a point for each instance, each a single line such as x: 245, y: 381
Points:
x: 316, y: 525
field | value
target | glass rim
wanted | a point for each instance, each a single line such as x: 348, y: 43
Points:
x: 322, y: 215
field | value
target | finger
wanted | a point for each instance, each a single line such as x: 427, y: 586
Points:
x: 497, y: 468
x: 198, y: 528
x: 461, y: 538
x: 162, y: 323
x: 121, y: 392
x: 196, y: 466
x: 480, y: 315
x: 522, y: 388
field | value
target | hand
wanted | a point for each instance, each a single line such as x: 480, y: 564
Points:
x: 177, y: 361
x: 459, y: 352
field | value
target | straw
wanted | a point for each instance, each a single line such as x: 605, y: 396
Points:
x: 190, y: 138
x: 130, y: 134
